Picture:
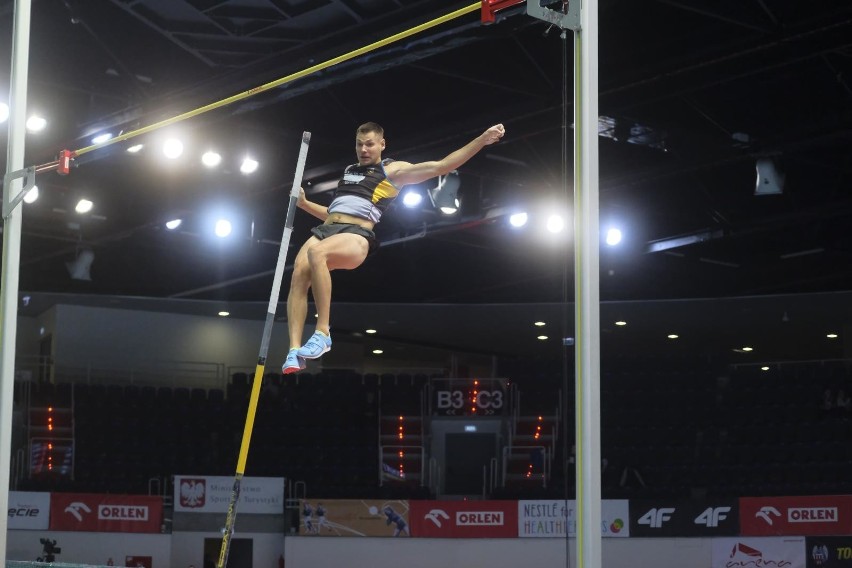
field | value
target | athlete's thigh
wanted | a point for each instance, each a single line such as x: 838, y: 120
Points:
x: 344, y: 251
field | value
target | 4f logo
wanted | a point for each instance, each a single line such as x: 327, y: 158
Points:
x: 711, y: 516
x: 656, y: 517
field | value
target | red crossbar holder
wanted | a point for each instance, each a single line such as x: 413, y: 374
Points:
x: 63, y: 167
x: 490, y: 7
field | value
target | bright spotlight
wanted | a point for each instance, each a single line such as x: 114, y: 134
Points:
x: 412, y: 199
x: 223, y: 228
x: 248, y: 166
x: 555, y: 223
x: 4, y: 112
x: 224, y: 314
x: 101, y: 138
x: 211, y: 159
x: 450, y: 209
x: 31, y: 195
x: 173, y: 224
x: 84, y: 206
x: 36, y: 123
x: 613, y: 237
x: 135, y: 148
x: 518, y: 219
x: 172, y: 148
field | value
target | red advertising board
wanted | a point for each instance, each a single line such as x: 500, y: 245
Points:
x: 464, y: 519
x: 805, y: 515
x: 105, y: 513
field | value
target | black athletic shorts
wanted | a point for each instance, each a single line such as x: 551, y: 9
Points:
x: 323, y: 231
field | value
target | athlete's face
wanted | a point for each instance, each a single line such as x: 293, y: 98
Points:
x: 368, y: 148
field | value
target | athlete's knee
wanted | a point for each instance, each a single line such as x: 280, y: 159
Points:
x: 317, y: 257
x: 301, y: 273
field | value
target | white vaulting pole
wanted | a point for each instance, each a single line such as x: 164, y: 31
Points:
x: 587, y: 287
x: 12, y: 251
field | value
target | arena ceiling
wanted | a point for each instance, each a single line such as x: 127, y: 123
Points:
x: 692, y: 95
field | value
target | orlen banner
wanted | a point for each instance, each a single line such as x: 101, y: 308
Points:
x: 353, y: 517
x: 828, y: 551
x: 29, y: 511
x: 464, y: 519
x: 775, y: 552
x: 552, y: 518
x: 805, y: 515
x: 684, y: 518
x: 212, y: 494
x: 105, y: 513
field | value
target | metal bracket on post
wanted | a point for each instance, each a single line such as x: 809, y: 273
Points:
x: 29, y: 182
x: 567, y: 18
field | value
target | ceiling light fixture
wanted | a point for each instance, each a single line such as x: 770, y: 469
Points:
x: 249, y: 166
x: 84, y: 206
x: 135, y: 148
x: 672, y: 336
x: 173, y: 224
x: 101, y: 138
x: 172, y: 148
x: 211, y: 159
x: 621, y: 323
x: 36, y: 123
x: 518, y: 220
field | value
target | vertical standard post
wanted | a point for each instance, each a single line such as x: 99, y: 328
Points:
x: 587, y: 287
x: 12, y: 251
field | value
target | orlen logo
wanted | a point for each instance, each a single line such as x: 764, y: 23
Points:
x: 77, y: 508
x: 122, y: 513
x: 768, y: 513
x: 192, y: 492
x: 812, y: 514
x: 435, y: 515
x: 479, y: 518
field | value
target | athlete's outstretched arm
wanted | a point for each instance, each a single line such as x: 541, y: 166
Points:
x: 404, y: 173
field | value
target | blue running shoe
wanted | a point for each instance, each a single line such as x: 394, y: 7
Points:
x: 316, y: 346
x: 293, y: 363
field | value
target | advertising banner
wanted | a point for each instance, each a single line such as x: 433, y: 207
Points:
x: 775, y: 552
x: 828, y: 551
x: 353, y: 517
x: 553, y: 517
x: 29, y: 510
x: 105, y: 513
x: 212, y: 494
x: 464, y: 519
x: 805, y: 515
x: 684, y: 518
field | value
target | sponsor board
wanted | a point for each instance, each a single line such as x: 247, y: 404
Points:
x: 464, y: 519
x: 828, y: 551
x: 105, y: 513
x: 353, y: 517
x: 802, y: 515
x: 767, y: 552
x: 684, y: 518
x: 558, y: 517
x: 29, y: 510
x: 212, y: 494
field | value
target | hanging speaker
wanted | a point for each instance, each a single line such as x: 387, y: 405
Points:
x: 80, y: 269
x: 769, y: 180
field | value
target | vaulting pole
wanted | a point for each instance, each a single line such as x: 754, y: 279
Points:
x: 12, y: 250
x: 264, y: 349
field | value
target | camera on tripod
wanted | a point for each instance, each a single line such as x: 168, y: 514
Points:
x: 49, y: 550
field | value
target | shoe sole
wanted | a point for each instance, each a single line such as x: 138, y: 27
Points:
x: 289, y: 370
